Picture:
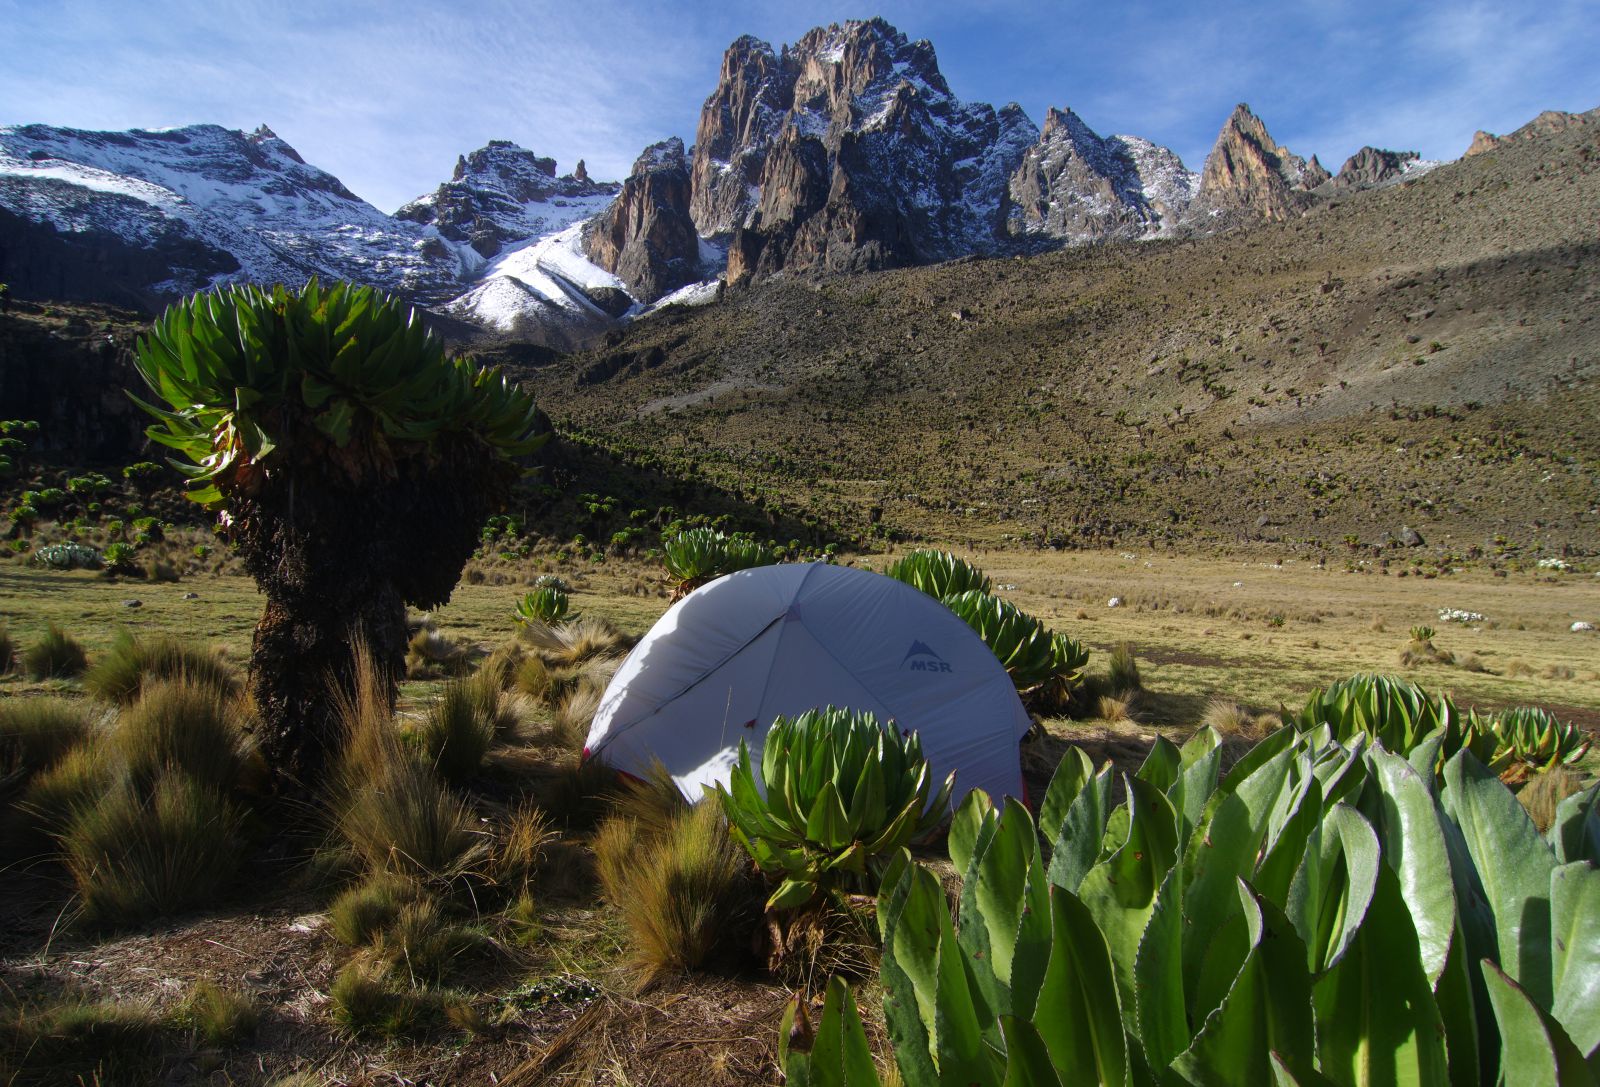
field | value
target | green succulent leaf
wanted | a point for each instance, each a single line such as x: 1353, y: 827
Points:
x: 1538, y: 1052
x: 246, y: 369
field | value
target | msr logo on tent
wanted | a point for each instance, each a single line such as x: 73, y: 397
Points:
x: 920, y: 658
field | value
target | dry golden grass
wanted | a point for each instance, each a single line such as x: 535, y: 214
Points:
x: 1189, y: 648
x: 1544, y: 793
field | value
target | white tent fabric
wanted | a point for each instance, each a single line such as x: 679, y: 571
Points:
x: 731, y: 656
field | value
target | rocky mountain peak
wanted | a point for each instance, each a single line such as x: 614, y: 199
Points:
x: 841, y: 62
x: 501, y: 194
x: 846, y: 150
x: 1078, y: 186
x: 646, y: 237
x: 1372, y: 166
x: 666, y: 155
x: 738, y: 122
x: 1249, y: 174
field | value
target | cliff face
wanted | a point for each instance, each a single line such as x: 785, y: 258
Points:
x: 1249, y: 176
x: 1372, y: 166
x: 738, y: 124
x: 1076, y: 186
x: 646, y: 237
x: 847, y: 151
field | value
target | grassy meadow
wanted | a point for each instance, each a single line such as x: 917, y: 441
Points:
x: 1257, y: 630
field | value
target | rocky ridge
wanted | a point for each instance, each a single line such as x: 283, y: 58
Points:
x: 1249, y: 177
x: 503, y: 193
x: 1076, y: 186
x: 646, y: 236
x: 144, y: 215
x: 1547, y: 123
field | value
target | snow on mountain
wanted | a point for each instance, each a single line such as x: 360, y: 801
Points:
x: 248, y: 201
x: 545, y: 289
x: 1077, y: 186
x: 502, y: 194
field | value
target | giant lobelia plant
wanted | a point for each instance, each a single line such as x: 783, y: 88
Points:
x: 839, y: 794
x: 1327, y: 914
x: 1039, y: 661
x: 696, y: 556
x: 352, y: 463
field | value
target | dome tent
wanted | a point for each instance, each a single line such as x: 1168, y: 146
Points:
x: 731, y: 656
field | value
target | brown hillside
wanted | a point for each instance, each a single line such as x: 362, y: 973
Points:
x: 1421, y: 355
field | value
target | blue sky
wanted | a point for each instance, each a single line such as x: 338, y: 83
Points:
x: 386, y: 95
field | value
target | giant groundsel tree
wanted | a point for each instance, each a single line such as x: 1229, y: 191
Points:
x: 353, y: 464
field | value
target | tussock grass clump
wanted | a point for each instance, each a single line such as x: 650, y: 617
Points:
x: 367, y: 998
x: 36, y: 732
x: 1233, y: 721
x: 131, y: 663
x: 499, y: 668
x: 532, y: 678
x: 1421, y: 650
x: 685, y: 893
x: 430, y: 654
x: 220, y: 1017
x: 71, y: 1039
x: 363, y: 1001
x: 402, y: 820
x: 574, y: 714
x: 581, y: 791
x: 360, y: 913
x: 56, y: 655
x: 576, y: 641
x: 426, y: 943
x: 54, y: 797
x: 519, y: 846
x: 654, y: 802
x: 1544, y: 793
x: 460, y: 727
x: 185, y: 724
x: 1119, y: 708
x: 134, y: 856
x: 616, y: 851
x: 1122, y: 671
x: 391, y: 809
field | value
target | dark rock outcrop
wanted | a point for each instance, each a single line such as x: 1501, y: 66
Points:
x: 847, y: 151
x: 500, y: 194
x: 1371, y: 166
x: 1077, y: 186
x: 1547, y: 123
x: 646, y: 236
x: 1248, y: 177
x: 66, y: 366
